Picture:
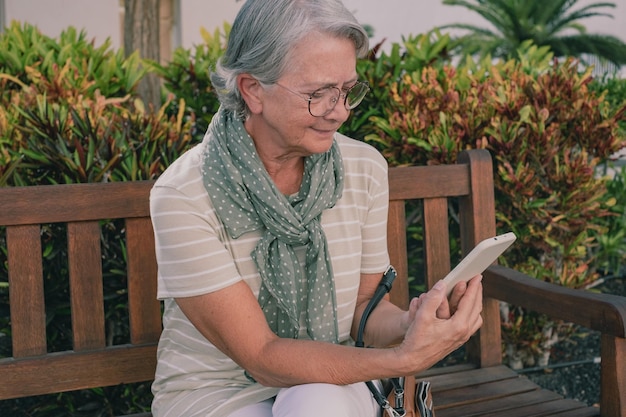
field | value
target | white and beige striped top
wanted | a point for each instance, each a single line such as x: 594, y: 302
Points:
x: 195, y: 256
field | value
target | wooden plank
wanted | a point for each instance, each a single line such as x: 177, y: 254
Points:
x: 477, y: 216
x: 549, y: 408
x: 580, y: 412
x: 495, y: 391
x: 613, y: 376
x: 446, y: 370
x: 477, y: 210
x: 74, y: 202
x: 505, y: 406
x: 396, y: 244
x: 417, y: 182
x: 86, y: 292
x: 144, y: 308
x: 477, y: 376
x: 26, y: 293
x: 476, y: 393
x: 69, y: 371
x: 436, y: 240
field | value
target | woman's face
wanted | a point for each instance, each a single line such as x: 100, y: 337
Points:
x: 283, y: 126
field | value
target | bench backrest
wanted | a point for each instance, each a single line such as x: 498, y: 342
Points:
x: 94, y: 363
x: 91, y: 363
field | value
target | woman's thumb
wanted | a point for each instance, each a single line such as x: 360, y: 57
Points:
x: 433, y: 298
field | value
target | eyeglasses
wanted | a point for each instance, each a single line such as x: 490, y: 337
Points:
x: 322, y: 101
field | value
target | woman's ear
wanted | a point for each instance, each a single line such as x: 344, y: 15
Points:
x: 251, y: 91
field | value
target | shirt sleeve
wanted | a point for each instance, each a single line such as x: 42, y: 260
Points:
x: 191, y: 254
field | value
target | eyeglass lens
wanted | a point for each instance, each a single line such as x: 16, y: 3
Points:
x: 324, y: 100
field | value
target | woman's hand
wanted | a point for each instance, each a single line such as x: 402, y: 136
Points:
x: 439, y: 325
x: 447, y: 306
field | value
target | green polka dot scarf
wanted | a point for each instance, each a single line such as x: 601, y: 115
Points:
x: 246, y: 199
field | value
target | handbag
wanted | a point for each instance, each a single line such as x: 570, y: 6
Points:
x: 400, y: 396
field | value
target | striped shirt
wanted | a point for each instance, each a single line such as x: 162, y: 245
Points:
x: 196, y: 256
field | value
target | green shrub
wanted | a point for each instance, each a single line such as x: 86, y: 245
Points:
x: 614, y: 88
x: 24, y: 50
x: 187, y: 77
x: 79, y: 121
x: 69, y: 113
x: 547, y: 133
x: 382, y: 71
x: 610, y: 252
x: 543, y: 133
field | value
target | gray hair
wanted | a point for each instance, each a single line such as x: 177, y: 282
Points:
x: 265, y: 31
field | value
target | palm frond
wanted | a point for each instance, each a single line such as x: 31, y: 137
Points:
x: 605, y: 47
x: 544, y: 22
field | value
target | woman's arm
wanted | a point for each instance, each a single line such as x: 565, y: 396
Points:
x: 233, y: 321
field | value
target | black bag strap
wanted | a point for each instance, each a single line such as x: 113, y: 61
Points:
x: 398, y: 383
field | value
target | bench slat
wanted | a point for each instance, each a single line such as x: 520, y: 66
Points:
x: 26, y: 293
x: 477, y: 215
x: 396, y: 241
x: 68, y: 371
x: 559, y: 407
x: 483, y: 392
x: 580, y: 412
x: 74, y: 202
x: 504, y: 406
x: 86, y: 292
x: 495, y: 391
x: 144, y: 308
x: 538, y: 403
x: 436, y: 239
x: 450, y: 380
x: 432, y: 181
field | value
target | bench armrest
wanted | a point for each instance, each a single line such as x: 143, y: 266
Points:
x: 605, y: 313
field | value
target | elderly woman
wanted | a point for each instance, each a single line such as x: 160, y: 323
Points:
x: 271, y: 237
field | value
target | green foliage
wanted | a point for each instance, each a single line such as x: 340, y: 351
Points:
x: 187, y: 77
x: 26, y: 53
x: 614, y: 89
x: 611, y: 238
x: 542, y: 131
x: 61, y: 69
x: 415, y: 53
x: 69, y: 113
x: 555, y: 24
x: 59, y: 127
x: 547, y: 132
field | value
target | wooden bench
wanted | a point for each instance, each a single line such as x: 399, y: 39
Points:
x: 482, y: 387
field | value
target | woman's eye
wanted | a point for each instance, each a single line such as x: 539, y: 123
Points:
x: 319, y: 93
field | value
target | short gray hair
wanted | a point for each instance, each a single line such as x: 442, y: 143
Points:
x: 265, y: 31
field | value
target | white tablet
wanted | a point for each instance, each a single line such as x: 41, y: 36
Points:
x: 479, y: 259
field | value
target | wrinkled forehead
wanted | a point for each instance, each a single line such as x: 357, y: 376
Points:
x: 320, y: 53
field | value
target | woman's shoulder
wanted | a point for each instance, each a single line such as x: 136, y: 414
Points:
x: 359, y: 155
x: 185, y: 169
x: 353, y: 146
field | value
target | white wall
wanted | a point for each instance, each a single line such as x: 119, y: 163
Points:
x: 196, y: 14
x: 419, y: 16
x: 99, y: 18
x: 390, y: 18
